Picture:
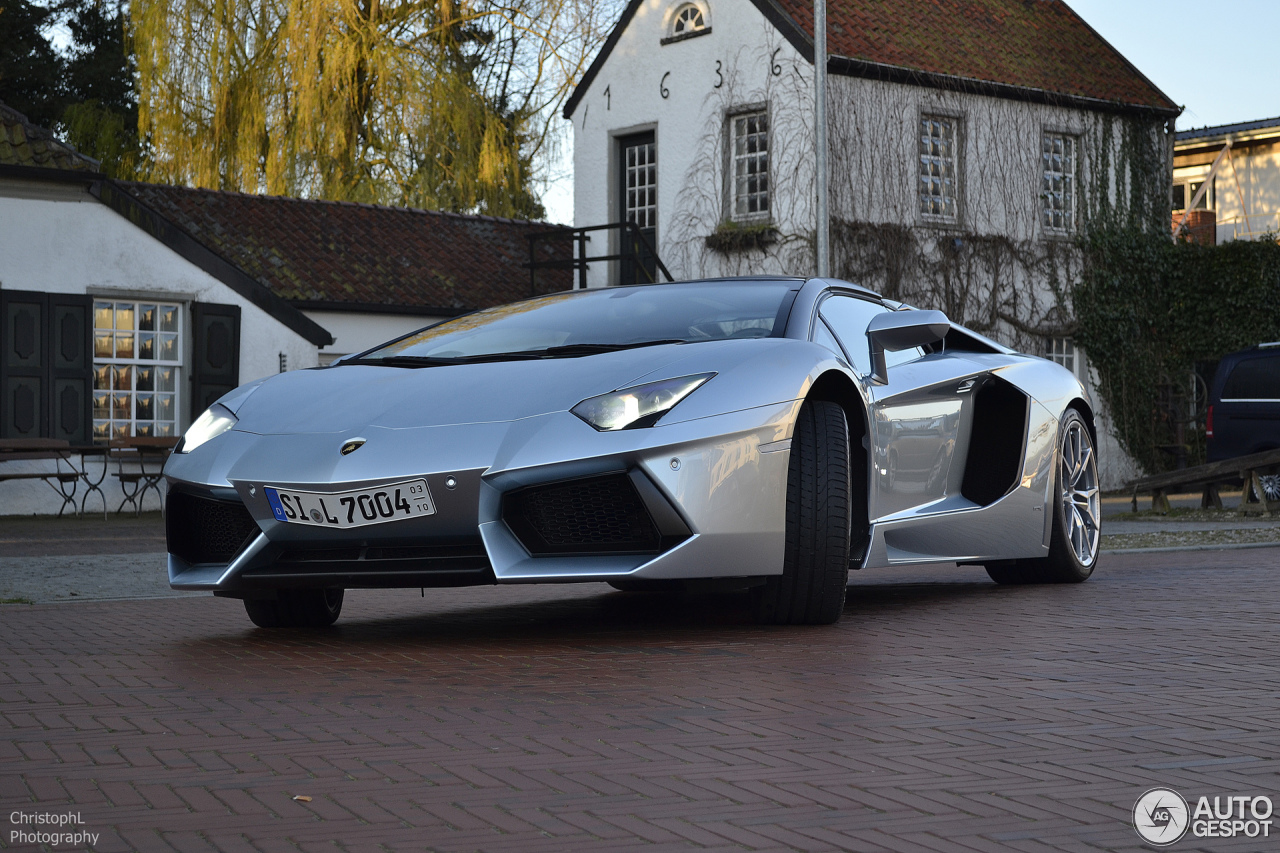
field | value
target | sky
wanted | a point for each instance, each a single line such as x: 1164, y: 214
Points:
x: 1218, y: 59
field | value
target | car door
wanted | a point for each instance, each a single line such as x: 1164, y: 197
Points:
x: 1247, y: 416
x: 920, y: 419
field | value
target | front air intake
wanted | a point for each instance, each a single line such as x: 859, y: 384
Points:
x: 593, y: 515
x: 202, y: 530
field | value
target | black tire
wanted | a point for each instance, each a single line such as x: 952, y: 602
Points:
x: 296, y: 608
x: 1070, y: 559
x: 811, y: 588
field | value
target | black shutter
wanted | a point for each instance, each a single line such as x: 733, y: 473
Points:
x: 215, y: 367
x: 24, y: 380
x: 71, y: 367
x: 46, y: 365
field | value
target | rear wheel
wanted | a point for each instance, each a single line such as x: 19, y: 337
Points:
x: 1073, y: 546
x: 811, y: 588
x: 296, y: 608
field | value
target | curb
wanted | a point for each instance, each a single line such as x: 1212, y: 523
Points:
x: 1225, y: 547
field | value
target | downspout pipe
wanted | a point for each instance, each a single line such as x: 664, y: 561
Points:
x: 823, y: 217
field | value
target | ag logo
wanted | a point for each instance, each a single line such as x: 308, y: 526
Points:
x: 352, y: 446
x: 1161, y: 816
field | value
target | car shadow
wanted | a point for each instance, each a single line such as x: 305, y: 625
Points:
x: 577, y: 619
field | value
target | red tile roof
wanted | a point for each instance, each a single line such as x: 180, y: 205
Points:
x: 1032, y: 44
x: 25, y: 144
x: 360, y: 255
x: 1037, y: 50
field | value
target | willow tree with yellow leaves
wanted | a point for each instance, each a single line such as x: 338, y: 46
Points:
x: 446, y: 104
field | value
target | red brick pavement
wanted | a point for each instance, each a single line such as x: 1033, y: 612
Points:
x: 943, y: 713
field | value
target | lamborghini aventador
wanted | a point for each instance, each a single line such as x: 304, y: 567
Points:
x: 766, y: 434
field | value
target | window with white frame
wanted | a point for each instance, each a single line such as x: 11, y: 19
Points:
x: 1063, y: 351
x: 939, y: 182
x: 1184, y: 192
x: 137, y: 356
x: 687, y: 19
x: 1058, y: 184
x: 641, y: 177
x: 749, y: 155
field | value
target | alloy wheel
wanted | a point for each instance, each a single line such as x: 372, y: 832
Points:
x: 1080, y: 496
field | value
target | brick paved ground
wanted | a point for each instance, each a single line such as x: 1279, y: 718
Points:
x: 943, y: 713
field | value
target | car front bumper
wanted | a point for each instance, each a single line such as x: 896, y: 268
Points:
x: 717, y: 485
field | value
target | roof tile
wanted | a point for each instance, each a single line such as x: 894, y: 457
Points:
x: 25, y: 144
x: 360, y: 254
x: 1035, y: 44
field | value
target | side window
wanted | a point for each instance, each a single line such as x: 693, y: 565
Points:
x: 1254, y: 379
x: 848, y: 317
x: 822, y: 335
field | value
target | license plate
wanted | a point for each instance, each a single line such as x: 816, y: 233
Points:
x: 376, y: 505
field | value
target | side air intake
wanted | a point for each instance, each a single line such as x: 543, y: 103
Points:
x: 997, y: 442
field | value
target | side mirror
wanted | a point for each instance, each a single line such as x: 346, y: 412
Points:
x: 899, y: 330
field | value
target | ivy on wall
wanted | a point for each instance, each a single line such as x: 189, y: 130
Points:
x: 1148, y: 311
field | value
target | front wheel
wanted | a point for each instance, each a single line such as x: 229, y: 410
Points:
x: 1077, y: 514
x: 811, y: 588
x: 296, y: 608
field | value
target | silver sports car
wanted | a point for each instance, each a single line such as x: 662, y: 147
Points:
x: 764, y: 433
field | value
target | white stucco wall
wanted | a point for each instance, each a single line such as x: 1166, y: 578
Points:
x: 875, y: 165
x: 708, y: 78
x: 1252, y: 187
x: 356, y: 331
x: 60, y: 239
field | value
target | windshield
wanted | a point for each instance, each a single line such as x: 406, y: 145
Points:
x: 578, y: 322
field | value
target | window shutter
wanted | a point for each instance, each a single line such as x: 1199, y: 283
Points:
x: 24, y: 379
x: 71, y: 367
x: 215, y: 338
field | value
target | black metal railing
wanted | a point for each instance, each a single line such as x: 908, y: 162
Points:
x: 637, y: 253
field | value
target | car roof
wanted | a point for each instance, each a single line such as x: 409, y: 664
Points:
x: 1256, y: 349
x: 798, y: 281
x: 738, y: 279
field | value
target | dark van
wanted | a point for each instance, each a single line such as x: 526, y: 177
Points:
x: 1244, y: 403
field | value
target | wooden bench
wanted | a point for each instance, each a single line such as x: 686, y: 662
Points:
x: 1249, y: 469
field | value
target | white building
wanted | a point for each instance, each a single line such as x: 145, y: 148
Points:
x: 969, y: 145
x: 128, y: 308
x: 1227, y: 178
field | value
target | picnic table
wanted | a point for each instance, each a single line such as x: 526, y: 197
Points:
x: 63, y: 481
x: 140, y: 467
x: 1249, y: 469
x: 138, y: 461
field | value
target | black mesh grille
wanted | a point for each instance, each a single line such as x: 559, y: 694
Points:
x: 201, y: 530
x: 457, y: 562
x: 592, y: 515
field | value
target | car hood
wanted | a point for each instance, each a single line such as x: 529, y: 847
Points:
x: 347, y: 397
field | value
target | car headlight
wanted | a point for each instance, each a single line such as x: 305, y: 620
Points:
x: 214, y: 422
x: 640, y: 406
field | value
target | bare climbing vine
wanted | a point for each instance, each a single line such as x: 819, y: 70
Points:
x: 993, y: 269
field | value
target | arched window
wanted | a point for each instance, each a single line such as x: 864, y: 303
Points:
x: 688, y: 19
